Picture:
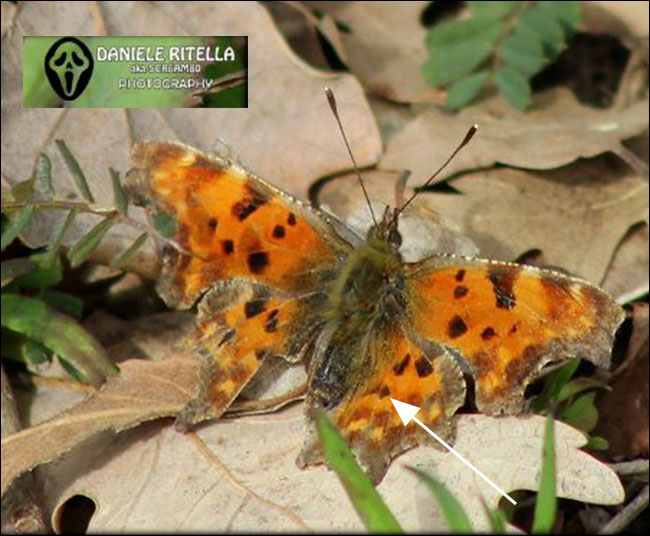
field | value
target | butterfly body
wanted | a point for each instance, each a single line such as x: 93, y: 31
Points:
x: 276, y: 278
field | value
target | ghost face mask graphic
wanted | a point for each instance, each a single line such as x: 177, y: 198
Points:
x: 68, y: 65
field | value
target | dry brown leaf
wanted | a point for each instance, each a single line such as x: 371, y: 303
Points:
x: 556, y: 131
x: 287, y: 135
x: 143, y: 390
x: 171, y: 486
x: 627, y: 276
x: 384, y: 47
x: 624, y: 409
x: 576, y: 215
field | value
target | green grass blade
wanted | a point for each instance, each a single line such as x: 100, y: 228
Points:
x: 59, y: 233
x: 130, y: 251
x: 43, y: 188
x: 554, y: 385
x: 368, y: 503
x: 75, y: 171
x: 546, y: 504
x: 62, y: 334
x: 452, y: 510
x: 119, y: 195
x: 497, y: 519
x: 16, y: 225
x: 88, y: 243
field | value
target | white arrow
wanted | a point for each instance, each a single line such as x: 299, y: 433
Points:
x: 407, y: 413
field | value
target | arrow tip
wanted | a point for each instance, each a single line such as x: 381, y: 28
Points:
x: 405, y: 411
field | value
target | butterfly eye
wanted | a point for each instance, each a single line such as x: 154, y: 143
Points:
x: 394, y: 237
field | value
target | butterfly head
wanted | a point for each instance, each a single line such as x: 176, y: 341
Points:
x: 386, y: 230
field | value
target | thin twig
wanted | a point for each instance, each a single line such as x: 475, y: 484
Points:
x: 634, y: 467
x: 628, y: 514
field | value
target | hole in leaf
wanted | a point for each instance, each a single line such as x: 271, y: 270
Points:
x: 74, y: 515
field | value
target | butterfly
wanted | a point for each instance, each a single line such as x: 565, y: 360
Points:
x: 276, y: 278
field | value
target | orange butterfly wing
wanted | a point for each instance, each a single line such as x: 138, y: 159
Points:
x: 229, y: 223
x: 507, y: 320
x: 259, y: 258
x: 400, y: 369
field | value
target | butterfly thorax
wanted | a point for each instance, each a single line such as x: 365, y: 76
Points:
x: 370, y: 286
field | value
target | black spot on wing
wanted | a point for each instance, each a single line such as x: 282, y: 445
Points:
x: 503, y: 279
x: 258, y: 261
x: 401, y: 366
x: 228, y: 246
x: 278, y: 231
x: 250, y: 203
x: 456, y: 327
x: 488, y: 333
x: 423, y: 367
x: 254, y: 307
x: 460, y: 291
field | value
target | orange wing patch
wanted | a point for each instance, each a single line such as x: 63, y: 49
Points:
x: 508, y: 320
x: 367, y: 418
x: 240, y: 325
x: 230, y: 224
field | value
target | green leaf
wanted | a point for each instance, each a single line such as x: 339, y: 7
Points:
x: 75, y: 171
x: 63, y: 302
x: 43, y: 189
x: 451, y: 509
x: 16, y: 225
x: 523, y: 54
x: 578, y: 386
x: 597, y: 443
x: 492, y: 9
x: 44, y: 275
x: 12, y: 268
x: 165, y: 224
x: 554, y: 384
x: 459, y: 31
x: 497, y: 520
x: 23, y: 190
x: 538, y: 24
x: 368, y: 503
x: 546, y: 504
x: 451, y: 61
x: 582, y: 413
x: 567, y: 13
x: 513, y: 86
x: 118, y: 193
x: 130, y: 252
x: 63, y: 335
x: 18, y: 347
x: 463, y: 91
x: 59, y: 233
x: 87, y: 244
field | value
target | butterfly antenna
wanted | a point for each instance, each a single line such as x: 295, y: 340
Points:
x: 466, y: 140
x: 332, y: 102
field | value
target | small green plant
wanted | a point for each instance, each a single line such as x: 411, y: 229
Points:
x: 376, y: 515
x: 501, y: 44
x: 572, y: 400
x: 39, y: 321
